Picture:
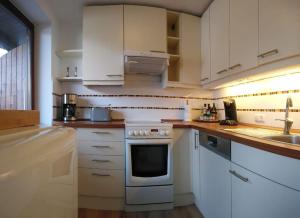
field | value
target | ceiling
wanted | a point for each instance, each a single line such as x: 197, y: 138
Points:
x: 71, y: 10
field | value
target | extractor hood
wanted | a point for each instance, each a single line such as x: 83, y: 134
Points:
x: 154, y: 63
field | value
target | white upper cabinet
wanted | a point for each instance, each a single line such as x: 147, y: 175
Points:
x: 243, y: 35
x: 279, y: 29
x: 219, y: 34
x: 145, y: 28
x: 190, y: 36
x: 103, y: 61
x: 205, y: 48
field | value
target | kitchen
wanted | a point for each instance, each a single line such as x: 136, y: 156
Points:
x: 150, y: 108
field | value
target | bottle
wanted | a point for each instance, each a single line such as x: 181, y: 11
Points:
x: 204, y: 112
x: 75, y: 73
x: 214, y: 112
x: 68, y: 72
x: 208, y: 112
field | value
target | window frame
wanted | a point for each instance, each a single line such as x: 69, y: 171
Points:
x: 16, y: 12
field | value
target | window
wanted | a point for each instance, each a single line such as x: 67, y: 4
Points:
x: 16, y: 59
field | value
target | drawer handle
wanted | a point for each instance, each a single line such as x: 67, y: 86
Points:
x: 204, y: 79
x: 100, y: 174
x: 235, y: 66
x: 114, y: 75
x: 102, y: 133
x: 157, y: 51
x: 222, y: 71
x: 101, y: 161
x: 268, y: 53
x: 244, y: 179
x: 101, y: 146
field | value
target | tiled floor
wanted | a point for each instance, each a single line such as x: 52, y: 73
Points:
x: 177, y: 212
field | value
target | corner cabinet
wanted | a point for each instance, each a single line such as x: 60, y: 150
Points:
x: 103, y: 60
x: 190, y: 49
x: 145, y: 29
x: 184, y: 48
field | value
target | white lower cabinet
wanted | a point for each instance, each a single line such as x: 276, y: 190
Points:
x: 255, y: 196
x: 181, y: 163
x: 101, y: 173
x: 215, y: 185
x: 101, y: 183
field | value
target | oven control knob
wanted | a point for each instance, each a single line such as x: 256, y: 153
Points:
x: 147, y: 133
x: 135, y: 133
x: 130, y: 133
x: 162, y: 133
x: 141, y: 132
x: 167, y: 132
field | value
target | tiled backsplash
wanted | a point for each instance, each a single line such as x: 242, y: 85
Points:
x: 146, y: 100
x: 265, y: 97
x: 142, y: 98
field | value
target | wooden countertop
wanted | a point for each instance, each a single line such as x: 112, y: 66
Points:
x: 90, y: 124
x: 280, y: 148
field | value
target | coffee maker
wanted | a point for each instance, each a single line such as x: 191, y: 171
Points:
x: 69, y: 107
x: 230, y: 113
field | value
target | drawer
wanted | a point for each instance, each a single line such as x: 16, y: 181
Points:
x: 101, y: 183
x: 101, y: 162
x: 278, y: 168
x: 101, y: 148
x: 100, y: 134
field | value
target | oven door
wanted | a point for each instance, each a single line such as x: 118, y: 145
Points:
x: 149, y: 162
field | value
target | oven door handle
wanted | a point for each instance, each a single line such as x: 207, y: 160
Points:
x: 148, y: 141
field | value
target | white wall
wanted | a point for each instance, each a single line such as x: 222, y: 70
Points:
x: 43, y: 80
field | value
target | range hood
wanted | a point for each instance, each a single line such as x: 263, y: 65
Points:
x: 154, y: 63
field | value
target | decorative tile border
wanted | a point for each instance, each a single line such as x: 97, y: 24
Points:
x: 259, y: 94
x: 140, y: 96
x: 191, y: 98
x: 130, y: 107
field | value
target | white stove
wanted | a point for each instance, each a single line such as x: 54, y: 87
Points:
x: 149, y: 164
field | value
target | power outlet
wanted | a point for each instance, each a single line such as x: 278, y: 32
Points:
x: 259, y: 118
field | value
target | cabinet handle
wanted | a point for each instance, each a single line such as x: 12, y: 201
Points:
x: 114, y: 75
x: 101, y: 146
x: 222, y: 71
x: 244, y: 179
x: 235, y: 66
x: 156, y: 51
x: 196, y: 141
x: 101, y: 161
x: 101, y: 175
x: 204, y: 79
x: 268, y: 53
x: 101, y: 133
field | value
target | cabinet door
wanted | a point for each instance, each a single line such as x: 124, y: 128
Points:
x: 219, y: 35
x: 195, y: 166
x: 256, y: 196
x: 279, y: 29
x: 103, y: 61
x: 243, y: 35
x: 205, y: 47
x: 182, y: 175
x: 215, y: 185
x: 145, y: 28
x: 190, y: 34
